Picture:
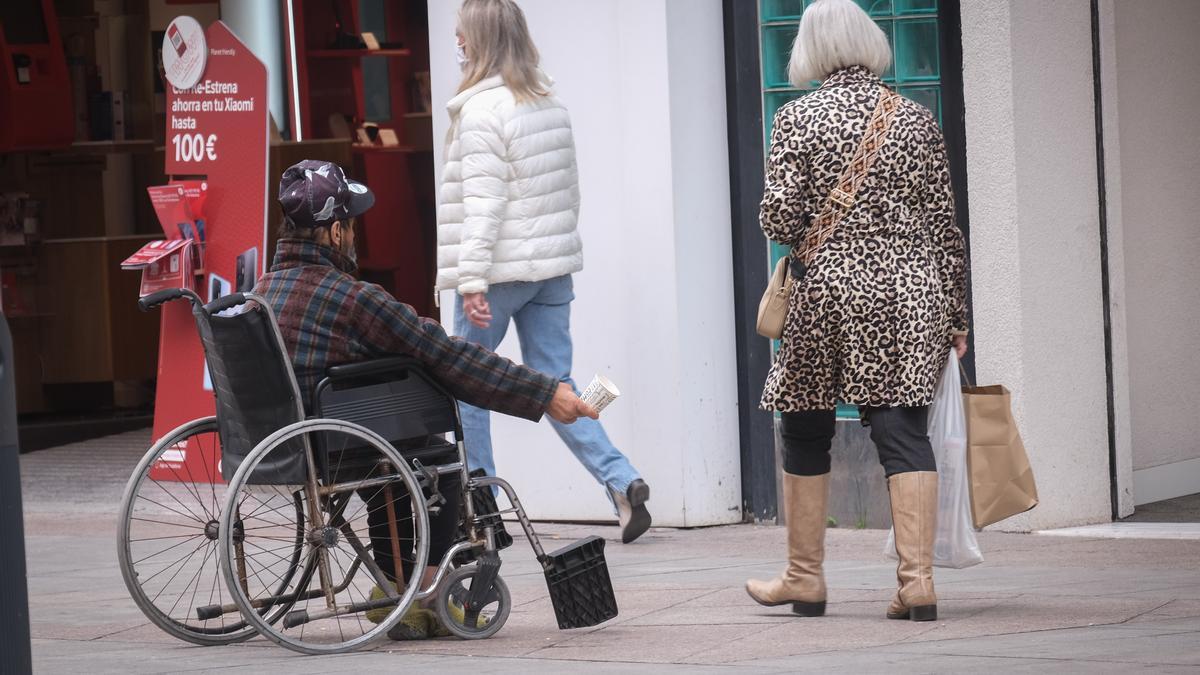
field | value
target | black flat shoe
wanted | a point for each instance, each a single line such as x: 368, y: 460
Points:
x: 631, y: 509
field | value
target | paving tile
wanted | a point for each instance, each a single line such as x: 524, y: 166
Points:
x: 1130, y: 531
x: 1169, y: 648
x: 1039, y: 602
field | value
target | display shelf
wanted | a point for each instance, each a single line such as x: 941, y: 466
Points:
x: 357, y: 53
x: 387, y: 87
x: 112, y: 238
x: 111, y: 147
x: 398, y: 149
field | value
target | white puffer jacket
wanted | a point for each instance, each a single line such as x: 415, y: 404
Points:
x: 509, y: 200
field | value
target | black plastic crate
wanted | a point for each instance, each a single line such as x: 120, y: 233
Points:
x: 580, y: 588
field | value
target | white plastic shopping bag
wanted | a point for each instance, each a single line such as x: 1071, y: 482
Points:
x: 955, y: 545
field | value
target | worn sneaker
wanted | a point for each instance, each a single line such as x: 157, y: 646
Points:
x: 418, y: 624
x: 631, y: 510
x: 379, y: 614
x: 436, y: 629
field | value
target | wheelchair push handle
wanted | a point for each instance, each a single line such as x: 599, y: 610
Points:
x: 159, y: 297
x: 225, y: 302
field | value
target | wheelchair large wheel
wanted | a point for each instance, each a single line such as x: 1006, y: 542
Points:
x: 167, y: 539
x: 365, y: 527
x: 472, y: 620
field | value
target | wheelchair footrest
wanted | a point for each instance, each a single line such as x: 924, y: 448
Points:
x: 481, y: 586
x: 580, y: 588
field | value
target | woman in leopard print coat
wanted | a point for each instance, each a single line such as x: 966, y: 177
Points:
x: 872, y: 321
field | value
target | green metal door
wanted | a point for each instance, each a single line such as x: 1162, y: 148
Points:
x: 912, y: 29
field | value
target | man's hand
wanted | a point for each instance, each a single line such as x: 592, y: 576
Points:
x: 475, y: 306
x: 960, y: 345
x: 566, y: 407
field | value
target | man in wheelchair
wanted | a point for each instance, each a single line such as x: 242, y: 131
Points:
x: 327, y: 317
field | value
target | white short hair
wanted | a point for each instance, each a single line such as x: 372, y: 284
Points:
x: 836, y: 34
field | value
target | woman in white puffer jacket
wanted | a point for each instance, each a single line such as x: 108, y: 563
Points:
x: 507, y: 237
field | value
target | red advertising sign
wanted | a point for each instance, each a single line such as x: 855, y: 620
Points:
x: 216, y: 129
x: 166, y: 263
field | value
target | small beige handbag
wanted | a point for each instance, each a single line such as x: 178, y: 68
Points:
x: 773, y: 308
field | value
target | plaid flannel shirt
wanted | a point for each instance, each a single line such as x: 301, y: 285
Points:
x: 328, y: 318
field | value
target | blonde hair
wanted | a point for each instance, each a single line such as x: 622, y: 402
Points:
x: 498, y: 43
x: 836, y: 34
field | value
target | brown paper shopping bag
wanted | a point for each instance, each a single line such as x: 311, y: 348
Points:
x: 1001, y: 479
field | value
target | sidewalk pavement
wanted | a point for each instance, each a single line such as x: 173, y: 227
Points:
x: 1039, y: 603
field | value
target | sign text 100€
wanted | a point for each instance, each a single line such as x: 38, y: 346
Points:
x: 194, y: 147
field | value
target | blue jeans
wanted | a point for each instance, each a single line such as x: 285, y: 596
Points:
x: 542, y: 313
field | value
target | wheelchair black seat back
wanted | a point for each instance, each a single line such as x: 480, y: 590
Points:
x: 255, y: 388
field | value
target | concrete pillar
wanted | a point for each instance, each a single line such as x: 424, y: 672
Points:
x: 258, y: 24
x: 1039, y: 320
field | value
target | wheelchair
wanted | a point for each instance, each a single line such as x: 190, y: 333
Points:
x: 315, y: 530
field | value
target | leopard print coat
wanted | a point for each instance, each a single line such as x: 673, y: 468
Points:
x: 873, y: 319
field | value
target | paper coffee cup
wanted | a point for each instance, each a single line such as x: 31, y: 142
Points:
x: 600, y: 393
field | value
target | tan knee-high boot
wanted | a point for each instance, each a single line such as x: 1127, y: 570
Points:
x: 914, y: 497
x: 803, y: 582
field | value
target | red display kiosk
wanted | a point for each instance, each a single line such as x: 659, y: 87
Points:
x: 217, y: 132
x: 33, y: 77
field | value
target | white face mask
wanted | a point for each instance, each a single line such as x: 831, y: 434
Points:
x: 460, y: 53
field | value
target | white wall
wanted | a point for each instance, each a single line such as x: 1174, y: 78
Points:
x: 1155, y: 61
x: 644, y: 80
x: 1031, y: 164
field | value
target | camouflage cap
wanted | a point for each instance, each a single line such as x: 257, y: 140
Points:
x: 316, y: 193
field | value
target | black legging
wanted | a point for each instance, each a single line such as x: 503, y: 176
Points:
x: 900, y: 435
x: 443, y: 527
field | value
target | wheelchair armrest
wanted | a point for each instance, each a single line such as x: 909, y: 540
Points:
x: 372, y: 367
x: 351, y: 371
x: 379, y: 393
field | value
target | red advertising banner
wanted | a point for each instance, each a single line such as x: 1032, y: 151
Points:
x: 173, y: 262
x: 166, y: 263
x: 217, y: 135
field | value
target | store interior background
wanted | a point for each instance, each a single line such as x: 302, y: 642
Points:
x: 655, y: 184
x: 74, y: 201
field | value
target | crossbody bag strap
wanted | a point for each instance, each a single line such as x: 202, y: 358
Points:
x: 844, y: 195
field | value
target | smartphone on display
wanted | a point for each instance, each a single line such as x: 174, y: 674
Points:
x: 247, y: 270
x: 177, y: 40
x: 217, y: 287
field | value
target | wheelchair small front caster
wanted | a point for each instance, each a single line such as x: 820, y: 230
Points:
x: 467, y: 620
